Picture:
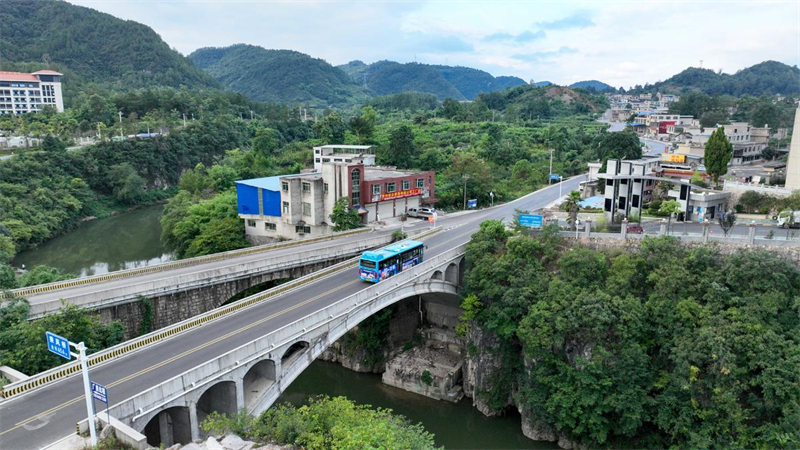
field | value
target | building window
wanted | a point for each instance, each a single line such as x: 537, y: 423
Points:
x: 300, y: 230
x: 286, y: 207
x: 325, y: 187
x: 406, y: 185
x: 306, y: 186
x: 420, y: 182
x: 376, y: 189
x: 317, y: 160
x: 306, y: 209
x: 251, y: 223
x: 270, y: 226
x: 390, y: 187
x: 285, y: 186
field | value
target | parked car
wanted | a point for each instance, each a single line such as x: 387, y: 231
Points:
x: 635, y: 228
x: 421, y: 212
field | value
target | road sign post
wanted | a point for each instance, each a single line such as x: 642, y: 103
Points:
x: 60, y: 346
x: 99, y: 392
x: 530, y: 220
x: 472, y: 203
x: 491, y: 195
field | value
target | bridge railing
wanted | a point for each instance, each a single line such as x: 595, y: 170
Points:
x: 194, y: 280
x: 125, y: 348
x: 174, y: 264
x: 146, y: 402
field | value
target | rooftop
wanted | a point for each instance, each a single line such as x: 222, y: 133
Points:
x: 46, y: 72
x: 348, y: 147
x: 376, y: 173
x: 268, y: 183
x: 17, y: 76
x: 389, y: 250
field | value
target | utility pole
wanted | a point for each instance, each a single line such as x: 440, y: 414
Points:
x: 120, y: 124
x: 184, y: 120
x: 251, y: 114
x: 466, y: 177
x: 550, y: 180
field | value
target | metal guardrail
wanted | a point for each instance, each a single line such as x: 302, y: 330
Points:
x: 13, y: 389
x: 171, y: 265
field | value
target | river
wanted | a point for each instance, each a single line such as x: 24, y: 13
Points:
x: 123, y: 241
x: 456, y: 426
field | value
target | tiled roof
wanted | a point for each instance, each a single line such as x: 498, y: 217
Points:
x: 17, y: 76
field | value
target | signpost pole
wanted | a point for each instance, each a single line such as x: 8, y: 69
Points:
x: 560, y: 179
x: 89, y: 406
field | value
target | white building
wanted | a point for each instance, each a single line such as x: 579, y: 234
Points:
x: 22, y: 93
x: 343, y: 154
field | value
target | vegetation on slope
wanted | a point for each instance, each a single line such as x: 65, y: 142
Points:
x: 283, y: 76
x: 609, y: 349
x: 90, y: 47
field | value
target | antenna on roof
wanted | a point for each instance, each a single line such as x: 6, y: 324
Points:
x: 701, y: 63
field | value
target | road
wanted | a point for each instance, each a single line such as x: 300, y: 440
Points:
x: 45, y: 415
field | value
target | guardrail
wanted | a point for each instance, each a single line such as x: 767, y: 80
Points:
x: 201, y: 278
x: 13, y: 389
x: 146, y: 401
x: 172, y: 265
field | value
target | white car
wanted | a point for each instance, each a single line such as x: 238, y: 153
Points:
x: 421, y: 212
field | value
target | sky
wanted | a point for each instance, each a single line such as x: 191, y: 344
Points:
x: 622, y: 43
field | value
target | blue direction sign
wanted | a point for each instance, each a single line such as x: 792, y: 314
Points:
x: 99, y: 392
x: 58, y: 345
x: 530, y: 220
x: 472, y: 203
x: 555, y: 176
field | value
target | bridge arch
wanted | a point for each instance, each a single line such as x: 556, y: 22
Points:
x: 294, y: 352
x: 451, y: 273
x: 219, y: 397
x: 437, y: 275
x: 169, y: 427
x: 257, y: 380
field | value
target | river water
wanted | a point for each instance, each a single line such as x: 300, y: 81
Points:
x: 124, y: 241
x: 455, y: 426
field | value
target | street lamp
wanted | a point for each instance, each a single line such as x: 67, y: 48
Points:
x: 120, y: 123
x: 550, y: 180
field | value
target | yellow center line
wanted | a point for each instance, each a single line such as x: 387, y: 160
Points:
x: 207, y: 344
x: 179, y: 356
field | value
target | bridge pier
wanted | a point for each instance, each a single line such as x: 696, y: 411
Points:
x: 194, y: 424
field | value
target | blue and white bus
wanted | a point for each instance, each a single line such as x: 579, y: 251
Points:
x: 378, y: 265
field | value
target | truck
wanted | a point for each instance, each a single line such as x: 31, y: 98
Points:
x: 788, y: 219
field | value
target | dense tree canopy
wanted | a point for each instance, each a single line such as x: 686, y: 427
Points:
x: 614, y: 351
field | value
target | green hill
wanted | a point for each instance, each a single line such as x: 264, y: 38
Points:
x: 766, y: 78
x: 282, y: 76
x: 460, y: 83
x: 544, y: 102
x: 90, y: 47
x: 598, y: 86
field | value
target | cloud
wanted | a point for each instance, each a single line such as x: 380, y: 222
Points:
x: 580, y: 19
x: 522, y: 38
x: 438, y: 44
x: 542, y: 56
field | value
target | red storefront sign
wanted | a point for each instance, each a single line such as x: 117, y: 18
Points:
x: 399, y: 194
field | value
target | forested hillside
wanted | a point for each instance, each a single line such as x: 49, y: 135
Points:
x: 90, y: 47
x: 598, y: 86
x: 282, y: 76
x: 460, y: 83
x: 766, y: 78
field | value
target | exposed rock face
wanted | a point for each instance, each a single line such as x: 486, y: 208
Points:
x: 353, y: 359
x: 430, y: 372
x: 229, y: 442
x: 537, y: 429
x: 480, y: 368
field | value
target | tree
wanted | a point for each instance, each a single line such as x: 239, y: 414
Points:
x: 127, y: 185
x: 669, y: 207
x: 343, y: 216
x: 8, y: 279
x: 726, y: 221
x: 620, y: 145
x: 718, y: 152
x: 401, y: 152
x: 363, y: 125
x: 331, y: 129
x: 266, y: 142
x: 43, y: 275
x: 571, y: 205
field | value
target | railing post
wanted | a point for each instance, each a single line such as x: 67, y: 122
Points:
x: 751, y: 233
x: 587, y: 228
x: 706, y: 225
x: 662, y: 229
x: 624, y: 229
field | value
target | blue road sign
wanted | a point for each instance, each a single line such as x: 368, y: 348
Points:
x: 530, y: 220
x: 99, y: 392
x: 555, y: 176
x: 58, y: 345
x: 472, y: 203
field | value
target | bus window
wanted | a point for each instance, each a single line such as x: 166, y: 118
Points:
x: 367, y: 264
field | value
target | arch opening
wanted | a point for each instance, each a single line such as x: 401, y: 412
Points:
x: 293, y: 353
x: 257, y: 380
x: 462, y: 268
x: 220, y: 397
x: 169, y: 427
x: 437, y: 275
x: 451, y: 274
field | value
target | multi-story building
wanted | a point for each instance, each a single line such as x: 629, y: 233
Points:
x: 293, y: 206
x: 343, y: 154
x: 22, y: 93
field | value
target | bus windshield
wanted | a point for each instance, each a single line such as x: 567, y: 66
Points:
x: 367, y: 264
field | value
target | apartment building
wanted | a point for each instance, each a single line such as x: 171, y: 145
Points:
x: 22, y: 93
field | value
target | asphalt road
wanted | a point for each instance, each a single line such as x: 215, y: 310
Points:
x: 43, y: 416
